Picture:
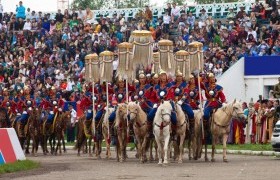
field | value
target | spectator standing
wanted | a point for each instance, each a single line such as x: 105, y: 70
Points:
x: 71, y: 129
x: 20, y: 11
x: 1, y: 11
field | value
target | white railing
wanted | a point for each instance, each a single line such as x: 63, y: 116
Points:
x: 215, y: 10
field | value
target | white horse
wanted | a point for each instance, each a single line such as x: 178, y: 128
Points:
x: 220, y: 121
x: 139, y: 120
x: 162, y: 130
x: 105, y: 127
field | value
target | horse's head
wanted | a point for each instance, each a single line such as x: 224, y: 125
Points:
x: 122, y: 110
x: 165, y: 110
x: 133, y: 110
x: 237, y: 111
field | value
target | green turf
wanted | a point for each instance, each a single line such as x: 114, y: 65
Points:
x: 18, y: 166
x: 252, y: 147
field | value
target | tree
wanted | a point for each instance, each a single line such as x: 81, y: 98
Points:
x: 212, y: 1
x: 92, y: 4
x: 178, y: 2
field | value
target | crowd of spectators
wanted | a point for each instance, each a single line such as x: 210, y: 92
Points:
x: 44, y: 51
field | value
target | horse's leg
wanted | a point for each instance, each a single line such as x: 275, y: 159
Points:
x: 159, y: 149
x: 27, y: 144
x: 89, y: 146
x: 63, y: 143
x: 213, y: 148
x: 59, y: 141
x: 181, y: 148
x: 225, y: 137
x: 156, y: 151
x: 144, y: 149
x: 166, y: 142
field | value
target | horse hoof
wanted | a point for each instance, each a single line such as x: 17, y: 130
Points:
x: 160, y: 163
x: 225, y: 160
x: 165, y: 162
x: 195, y: 158
x: 65, y: 151
x: 45, y: 153
x: 27, y: 152
x: 78, y: 154
x: 206, y: 160
x: 35, y: 155
x: 180, y: 161
x: 90, y: 155
x: 98, y: 157
x: 190, y: 158
x: 213, y: 160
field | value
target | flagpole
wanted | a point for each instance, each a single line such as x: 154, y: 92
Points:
x: 199, y: 90
x: 91, y: 78
x: 126, y: 86
x: 107, y: 109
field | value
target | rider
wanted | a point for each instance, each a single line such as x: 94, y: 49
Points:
x: 164, y: 91
x: 215, y: 98
x: 143, y: 93
x: 179, y: 86
x: 53, y: 112
x: 120, y: 94
x: 192, y: 93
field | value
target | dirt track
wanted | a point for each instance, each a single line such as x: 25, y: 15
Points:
x: 69, y: 166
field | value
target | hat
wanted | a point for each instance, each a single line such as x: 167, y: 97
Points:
x: 179, y: 73
x: 155, y: 76
x: 142, y: 74
x: 162, y: 72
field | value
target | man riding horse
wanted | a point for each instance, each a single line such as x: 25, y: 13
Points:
x: 215, y: 99
x: 162, y: 91
x: 179, y: 86
x: 143, y: 93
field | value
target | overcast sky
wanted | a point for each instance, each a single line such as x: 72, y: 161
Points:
x: 44, y: 5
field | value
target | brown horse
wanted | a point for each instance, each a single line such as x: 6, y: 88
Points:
x: 59, y: 129
x: 84, y: 134
x: 220, y: 122
x: 139, y: 120
x: 105, y: 127
x: 34, y: 131
x: 121, y: 128
x: 4, y: 118
x: 23, y: 130
x: 196, y: 138
x: 180, y: 133
x: 48, y: 133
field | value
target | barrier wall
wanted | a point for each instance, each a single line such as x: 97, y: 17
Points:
x: 10, y: 149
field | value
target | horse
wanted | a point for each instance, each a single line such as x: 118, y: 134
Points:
x: 98, y: 136
x: 23, y: 130
x: 220, y: 121
x: 121, y: 129
x: 34, y: 131
x: 84, y: 134
x: 196, y: 138
x: 48, y: 133
x: 59, y: 129
x: 105, y: 127
x: 4, y: 118
x: 162, y: 130
x: 138, y: 118
x: 180, y: 133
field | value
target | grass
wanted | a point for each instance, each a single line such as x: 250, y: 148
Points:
x: 18, y: 166
x: 252, y: 147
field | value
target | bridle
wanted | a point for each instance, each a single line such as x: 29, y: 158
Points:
x: 163, y: 124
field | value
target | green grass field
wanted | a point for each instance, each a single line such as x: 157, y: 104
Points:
x: 252, y: 147
x: 18, y: 166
